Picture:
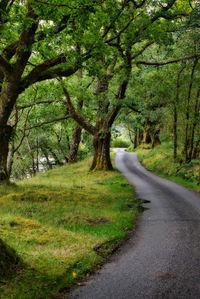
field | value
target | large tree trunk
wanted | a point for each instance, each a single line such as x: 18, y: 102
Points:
x: 151, y: 133
x: 186, y: 142
x: 195, y: 122
x: 196, y: 152
x: 155, y: 138
x: 5, y: 135
x: 75, y: 144
x: 147, y: 136
x: 136, y: 138
x: 101, y: 159
x: 175, y: 136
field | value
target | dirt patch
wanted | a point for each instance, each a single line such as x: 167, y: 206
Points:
x: 125, y: 185
x: 164, y: 276
x: 107, y: 247
x: 99, y: 221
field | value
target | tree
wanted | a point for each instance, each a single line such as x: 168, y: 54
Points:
x: 128, y: 43
x: 33, y: 52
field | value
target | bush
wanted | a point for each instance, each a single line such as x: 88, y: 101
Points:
x: 118, y: 142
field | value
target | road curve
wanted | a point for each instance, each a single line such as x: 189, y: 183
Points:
x: 162, y: 259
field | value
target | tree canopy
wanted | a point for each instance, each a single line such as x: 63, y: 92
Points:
x: 82, y: 60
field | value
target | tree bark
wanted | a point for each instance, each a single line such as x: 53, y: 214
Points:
x: 75, y: 144
x: 186, y: 142
x: 175, y: 137
x: 196, y: 151
x: 155, y: 138
x: 195, y: 122
x: 11, y: 158
x: 5, y: 135
x: 136, y: 138
x: 101, y: 158
x: 147, y: 136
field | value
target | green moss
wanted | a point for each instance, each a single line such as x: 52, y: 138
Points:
x: 36, y: 196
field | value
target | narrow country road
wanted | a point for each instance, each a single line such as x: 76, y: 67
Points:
x: 162, y: 258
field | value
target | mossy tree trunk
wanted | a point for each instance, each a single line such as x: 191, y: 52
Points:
x: 147, y: 136
x: 151, y: 133
x: 101, y: 144
x: 187, y: 114
x: 76, y: 139
x: 5, y: 135
x: 155, y: 139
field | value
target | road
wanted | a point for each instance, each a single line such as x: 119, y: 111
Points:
x: 162, y: 258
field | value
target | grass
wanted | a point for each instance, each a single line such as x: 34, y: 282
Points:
x: 160, y: 160
x: 62, y: 224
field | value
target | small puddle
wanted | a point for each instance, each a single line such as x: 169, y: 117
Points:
x: 139, y: 204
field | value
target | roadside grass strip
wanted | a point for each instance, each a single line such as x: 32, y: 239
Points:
x: 160, y: 160
x: 62, y: 224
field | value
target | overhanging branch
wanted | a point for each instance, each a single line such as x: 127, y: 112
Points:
x: 47, y: 122
x: 76, y: 116
x: 154, y: 63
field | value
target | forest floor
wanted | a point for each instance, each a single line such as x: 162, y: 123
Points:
x: 160, y: 161
x: 62, y: 224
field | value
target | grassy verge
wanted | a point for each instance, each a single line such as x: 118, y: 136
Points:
x: 62, y: 224
x: 160, y: 161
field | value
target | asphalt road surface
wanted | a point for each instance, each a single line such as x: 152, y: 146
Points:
x: 162, y: 258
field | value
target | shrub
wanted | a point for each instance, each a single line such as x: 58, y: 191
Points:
x: 118, y: 142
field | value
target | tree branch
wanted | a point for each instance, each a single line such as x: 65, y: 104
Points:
x: 23, y: 132
x: 48, y: 122
x: 76, y: 116
x: 142, y: 50
x: 166, y: 62
x: 45, y: 66
x: 24, y: 46
x: 34, y: 104
x: 10, y: 50
x: 49, y: 74
x: 5, y: 66
x: 121, y: 31
x: 138, y: 5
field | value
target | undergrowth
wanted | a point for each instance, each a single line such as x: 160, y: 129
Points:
x: 160, y: 160
x: 55, y: 222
